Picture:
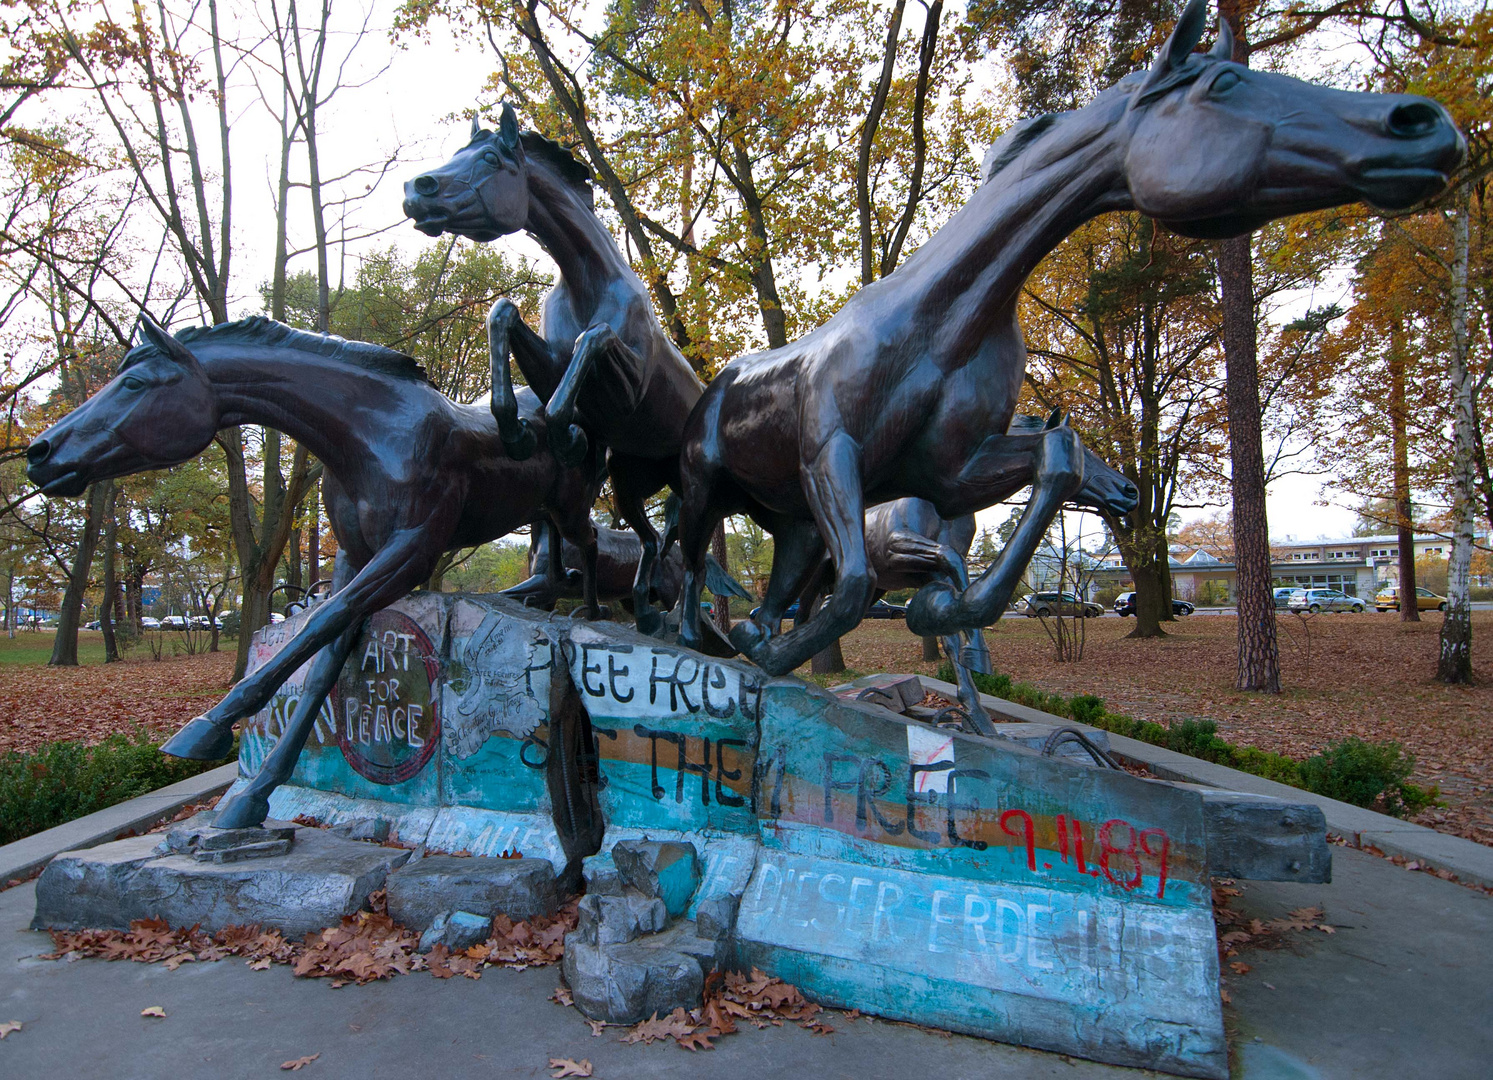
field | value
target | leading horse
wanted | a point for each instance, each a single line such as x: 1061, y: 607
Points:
x: 410, y: 474
x: 909, y: 388
x: 600, y: 359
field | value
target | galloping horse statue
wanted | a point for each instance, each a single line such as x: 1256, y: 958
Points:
x: 909, y: 546
x: 909, y: 388
x: 600, y: 359
x: 410, y: 474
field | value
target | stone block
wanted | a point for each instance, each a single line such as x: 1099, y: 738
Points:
x: 667, y: 869
x: 601, y: 877
x: 319, y: 881
x: 684, y: 937
x: 197, y: 834
x: 374, y: 830
x: 261, y: 850
x: 457, y: 930
x: 1259, y: 838
x: 518, y: 888
x: 628, y: 983
x: 715, y: 917
x: 895, y: 692
x: 613, y: 920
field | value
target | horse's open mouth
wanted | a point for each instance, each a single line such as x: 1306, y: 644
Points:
x: 1400, y: 188
x: 67, y: 485
x: 432, y: 224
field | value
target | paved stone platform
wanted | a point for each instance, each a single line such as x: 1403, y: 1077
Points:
x: 1400, y: 990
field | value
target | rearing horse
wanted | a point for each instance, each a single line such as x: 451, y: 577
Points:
x: 600, y: 359
x: 409, y: 474
x: 909, y: 388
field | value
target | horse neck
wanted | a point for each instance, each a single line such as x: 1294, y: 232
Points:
x: 318, y: 402
x: 573, y: 235
x: 965, y: 280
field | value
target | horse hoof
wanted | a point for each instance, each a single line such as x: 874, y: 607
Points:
x: 243, y: 811
x: 748, y: 638
x: 569, y: 445
x: 200, y: 740
x: 524, y: 445
x: 600, y: 613
x: 931, y: 611
x: 650, y: 622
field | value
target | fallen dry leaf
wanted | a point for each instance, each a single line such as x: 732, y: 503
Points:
x: 9, y: 1026
x: 566, y: 1067
x: 597, y: 1027
x: 696, y: 1040
x: 561, y: 996
x: 299, y: 1063
x: 154, y: 1010
x: 673, y: 1026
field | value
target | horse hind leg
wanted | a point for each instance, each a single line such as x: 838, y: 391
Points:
x: 630, y: 488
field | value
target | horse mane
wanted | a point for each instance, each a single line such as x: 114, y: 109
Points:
x: 1023, y: 134
x: 571, y: 169
x: 259, y: 330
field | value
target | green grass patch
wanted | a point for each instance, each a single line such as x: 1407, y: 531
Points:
x: 1375, y: 775
x: 35, y: 647
x: 60, y: 781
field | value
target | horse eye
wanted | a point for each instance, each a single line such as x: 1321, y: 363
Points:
x: 132, y: 383
x: 1225, y: 82
x: 491, y: 158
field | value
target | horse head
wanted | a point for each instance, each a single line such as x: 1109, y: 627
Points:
x: 1105, y: 489
x: 160, y: 410
x: 482, y: 193
x: 1217, y: 149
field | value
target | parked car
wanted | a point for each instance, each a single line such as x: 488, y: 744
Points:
x: 175, y: 622
x: 95, y: 625
x: 882, y: 610
x: 1425, y: 600
x: 148, y: 623
x: 1056, y: 603
x: 1283, y: 596
x: 791, y: 613
x: 1317, y: 600
x: 1125, y: 606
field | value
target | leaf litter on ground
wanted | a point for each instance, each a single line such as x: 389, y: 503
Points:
x: 567, y: 1067
x: 756, y: 998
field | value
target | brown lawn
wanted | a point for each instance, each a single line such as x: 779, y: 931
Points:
x: 1367, y: 675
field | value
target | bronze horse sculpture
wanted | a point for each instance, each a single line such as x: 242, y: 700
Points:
x: 409, y: 475
x: 909, y: 546
x: 909, y: 388
x: 600, y: 359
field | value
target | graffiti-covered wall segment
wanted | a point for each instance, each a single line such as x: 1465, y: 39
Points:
x: 875, y: 860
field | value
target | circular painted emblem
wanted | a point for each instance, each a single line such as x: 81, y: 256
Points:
x: 387, y: 708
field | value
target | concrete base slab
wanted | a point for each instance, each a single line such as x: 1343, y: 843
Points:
x: 423, y: 890
x: 319, y: 881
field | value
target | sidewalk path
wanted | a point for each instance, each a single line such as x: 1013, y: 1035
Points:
x: 1399, y: 990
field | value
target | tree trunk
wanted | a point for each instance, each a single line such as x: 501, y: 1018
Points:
x: 65, y: 645
x: 1151, y: 601
x: 1404, y: 509
x: 313, y: 543
x: 930, y: 649
x: 722, y: 603
x: 1455, y: 662
x: 1259, y: 652
x: 1164, y: 575
x: 111, y: 588
x: 829, y: 660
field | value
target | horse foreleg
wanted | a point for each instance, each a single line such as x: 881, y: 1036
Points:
x: 629, y: 487
x: 547, y: 578
x: 797, y: 552
x: 598, y: 342
x: 832, y: 483
x: 401, y: 564
x: 252, y: 805
x: 507, y: 333
x: 938, y: 609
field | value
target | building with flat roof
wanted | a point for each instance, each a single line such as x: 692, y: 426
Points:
x: 1357, y: 565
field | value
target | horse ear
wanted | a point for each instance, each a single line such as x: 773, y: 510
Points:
x: 1184, y: 38
x: 1053, y: 420
x: 155, y: 334
x: 508, y: 129
x: 1223, y: 48
x: 476, y: 126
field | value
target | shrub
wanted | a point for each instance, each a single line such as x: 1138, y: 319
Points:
x: 1366, y: 774
x: 1353, y: 771
x: 60, y: 781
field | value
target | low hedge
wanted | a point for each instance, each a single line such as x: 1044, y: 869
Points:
x: 60, y: 781
x: 1352, y: 770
